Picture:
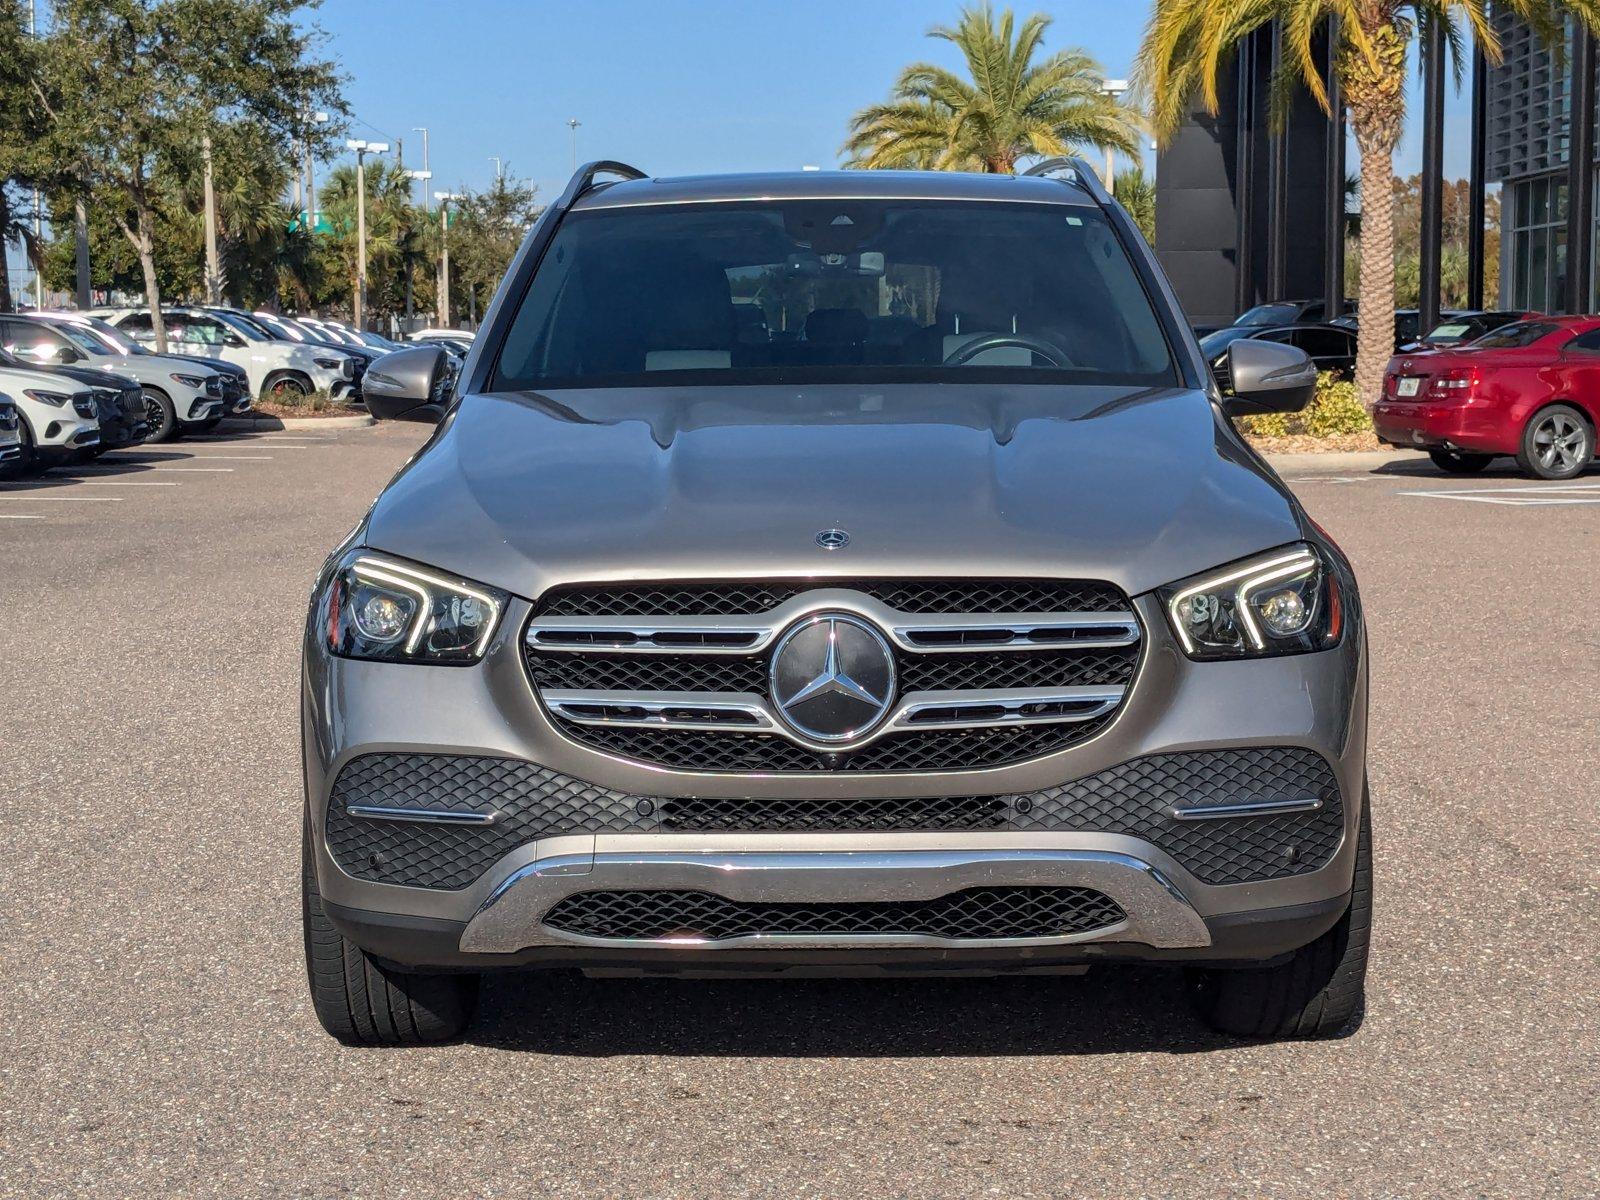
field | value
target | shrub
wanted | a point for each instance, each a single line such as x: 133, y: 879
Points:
x: 1335, y: 409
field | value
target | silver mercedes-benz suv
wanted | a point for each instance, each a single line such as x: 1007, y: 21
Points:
x: 835, y: 572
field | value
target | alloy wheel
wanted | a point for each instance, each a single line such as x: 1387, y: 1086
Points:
x: 1560, y: 443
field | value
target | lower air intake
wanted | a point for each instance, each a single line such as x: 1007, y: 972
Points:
x: 980, y: 913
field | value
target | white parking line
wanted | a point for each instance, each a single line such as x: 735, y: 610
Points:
x: 128, y: 483
x: 234, y: 457
x: 1525, y: 496
x: 20, y: 517
x: 141, y: 470
x: 26, y: 496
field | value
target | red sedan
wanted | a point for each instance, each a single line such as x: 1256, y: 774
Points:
x: 1531, y: 389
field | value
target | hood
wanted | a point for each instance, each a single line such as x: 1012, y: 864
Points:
x: 100, y: 377
x: 1138, y: 486
x: 16, y: 378
x: 220, y: 365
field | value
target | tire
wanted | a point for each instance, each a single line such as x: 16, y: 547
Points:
x: 1557, y: 443
x: 1457, y: 462
x: 364, y: 1003
x: 30, y: 464
x: 280, y: 385
x: 1319, y: 992
x: 160, y: 416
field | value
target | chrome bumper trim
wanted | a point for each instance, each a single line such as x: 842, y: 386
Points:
x: 510, y: 919
x: 425, y: 816
x: 1259, y: 808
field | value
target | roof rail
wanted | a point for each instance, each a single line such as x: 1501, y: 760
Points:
x: 583, y: 178
x: 1081, y: 173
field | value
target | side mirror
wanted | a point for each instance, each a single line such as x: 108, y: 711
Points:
x: 408, y: 385
x: 1268, y: 377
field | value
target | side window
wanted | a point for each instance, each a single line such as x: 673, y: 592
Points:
x: 1287, y: 336
x: 1323, y: 343
x: 1588, y: 343
x: 137, y: 326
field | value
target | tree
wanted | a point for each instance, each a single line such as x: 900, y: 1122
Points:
x: 1187, y: 43
x: 138, y: 83
x: 21, y: 128
x: 488, y: 227
x: 1012, y: 107
x: 1136, y: 192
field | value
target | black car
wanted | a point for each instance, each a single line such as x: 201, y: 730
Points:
x: 1457, y: 329
x: 1331, y: 347
x: 118, y: 402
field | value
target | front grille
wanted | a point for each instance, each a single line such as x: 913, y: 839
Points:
x: 572, y: 658
x: 83, y: 403
x: 9, y: 420
x: 906, y: 595
x: 1016, y: 912
x: 1135, y: 798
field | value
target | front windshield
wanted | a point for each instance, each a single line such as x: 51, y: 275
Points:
x: 834, y: 290
x: 113, y: 337
x: 1511, y: 337
x: 1268, y: 314
x: 81, y: 338
x: 246, y: 328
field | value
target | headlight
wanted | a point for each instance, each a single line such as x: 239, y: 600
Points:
x: 1285, y: 602
x: 197, y: 382
x: 330, y: 364
x: 377, y: 607
x: 54, y: 399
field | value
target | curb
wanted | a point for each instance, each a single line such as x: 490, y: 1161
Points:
x: 256, y: 423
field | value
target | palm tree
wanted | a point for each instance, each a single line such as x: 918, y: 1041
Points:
x: 1187, y: 42
x: 1136, y: 192
x: 1011, y: 108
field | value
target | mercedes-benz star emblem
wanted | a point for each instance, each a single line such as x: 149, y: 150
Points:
x: 833, y: 539
x: 832, y: 677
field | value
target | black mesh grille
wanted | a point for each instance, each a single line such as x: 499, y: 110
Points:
x: 906, y: 595
x: 931, y: 750
x: 1134, y: 798
x: 650, y: 672
x: 1028, y: 912
x: 1016, y: 669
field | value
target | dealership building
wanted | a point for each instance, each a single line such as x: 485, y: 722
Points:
x: 1247, y: 211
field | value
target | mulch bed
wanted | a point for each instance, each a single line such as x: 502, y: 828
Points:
x: 1304, y: 443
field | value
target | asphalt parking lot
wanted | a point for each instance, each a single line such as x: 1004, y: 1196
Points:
x: 157, y: 1038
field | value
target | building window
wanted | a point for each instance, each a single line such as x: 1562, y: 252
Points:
x: 1539, y: 244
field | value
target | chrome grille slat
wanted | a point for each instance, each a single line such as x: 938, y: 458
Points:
x: 678, y: 674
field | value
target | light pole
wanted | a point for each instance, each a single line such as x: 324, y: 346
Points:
x: 1113, y: 88
x: 362, y: 149
x: 572, y: 124
x: 311, y: 119
x: 427, y: 171
x: 499, y: 167
x: 38, y: 208
x: 444, y: 199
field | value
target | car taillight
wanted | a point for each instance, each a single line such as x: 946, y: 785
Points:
x: 1455, y: 384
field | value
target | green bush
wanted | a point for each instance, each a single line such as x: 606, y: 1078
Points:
x: 1335, y: 409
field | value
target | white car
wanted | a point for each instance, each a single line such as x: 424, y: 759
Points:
x: 10, y: 434
x: 276, y: 368
x: 58, y: 414
x: 180, y: 394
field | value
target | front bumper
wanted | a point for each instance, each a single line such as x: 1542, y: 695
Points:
x: 1314, y: 702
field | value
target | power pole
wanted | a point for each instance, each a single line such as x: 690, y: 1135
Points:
x: 38, y: 207
x: 362, y: 149
x: 444, y: 199
x: 213, y: 265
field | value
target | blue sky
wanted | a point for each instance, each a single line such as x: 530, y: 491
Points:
x: 696, y: 85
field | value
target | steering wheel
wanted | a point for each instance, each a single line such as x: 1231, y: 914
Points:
x: 968, y: 351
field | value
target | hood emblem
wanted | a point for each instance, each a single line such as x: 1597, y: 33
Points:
x: 832, y: 677
x: 833, y: 539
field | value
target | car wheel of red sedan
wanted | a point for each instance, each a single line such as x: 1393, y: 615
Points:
x: 1557, y: 443
x: 1455, y: 462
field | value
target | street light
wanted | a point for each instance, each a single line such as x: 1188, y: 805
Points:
x: 499, y: 167
x: 444, y: 199
x: 311, y: 118
x: 1113, y: 88
x: 572, y: 124
x: 427, y: 171
x: 362, y: 149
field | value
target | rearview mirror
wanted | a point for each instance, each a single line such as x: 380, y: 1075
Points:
x: 1268, y: 377
x: 408, y: 385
